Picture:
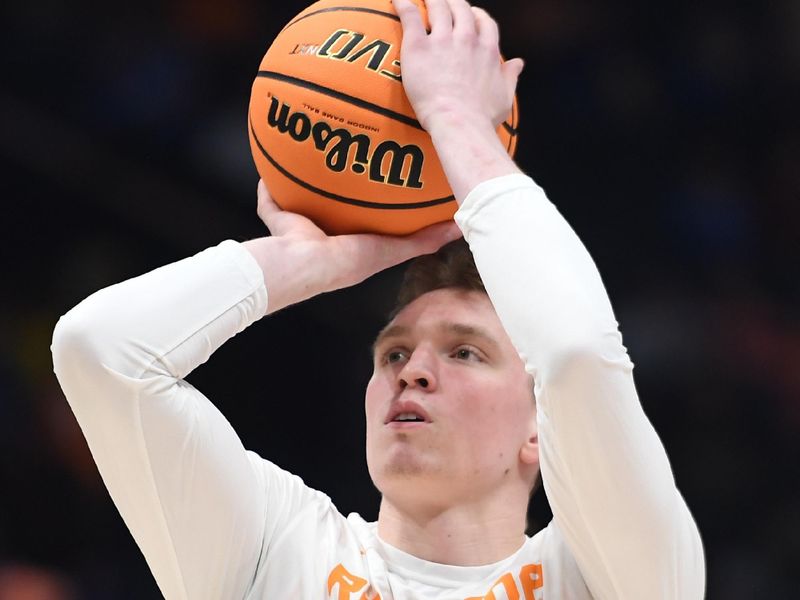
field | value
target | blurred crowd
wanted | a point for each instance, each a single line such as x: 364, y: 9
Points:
x: 668, y: 134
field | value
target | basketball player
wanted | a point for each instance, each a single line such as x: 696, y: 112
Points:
x: 473, y: 394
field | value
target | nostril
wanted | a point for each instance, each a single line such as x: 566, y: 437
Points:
x: 403, y: 383
x: 423, y: 382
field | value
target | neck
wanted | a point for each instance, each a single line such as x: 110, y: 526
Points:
x: 466, y: 534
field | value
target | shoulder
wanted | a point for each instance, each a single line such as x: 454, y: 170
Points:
x: 308, y: 543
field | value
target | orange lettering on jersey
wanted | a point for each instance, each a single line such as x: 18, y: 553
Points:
x: 532, y: 578
x: 348, y: 583
x: 509, y: 585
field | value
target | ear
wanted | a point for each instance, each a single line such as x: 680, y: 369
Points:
x: 529, y: 452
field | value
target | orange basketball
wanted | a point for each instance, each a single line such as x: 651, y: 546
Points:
x: 332, y: 132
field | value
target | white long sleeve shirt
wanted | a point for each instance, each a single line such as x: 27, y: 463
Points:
x: 215, y: 521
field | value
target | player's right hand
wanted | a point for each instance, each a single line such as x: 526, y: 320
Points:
x: 299, y: 260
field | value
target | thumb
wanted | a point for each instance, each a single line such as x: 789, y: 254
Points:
x: 512, y: 70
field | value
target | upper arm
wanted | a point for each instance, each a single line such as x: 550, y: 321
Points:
x: 193, y: 498
x: 182, y: 481
x: 610, y: 484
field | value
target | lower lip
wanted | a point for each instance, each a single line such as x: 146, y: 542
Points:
x: 403, y: 425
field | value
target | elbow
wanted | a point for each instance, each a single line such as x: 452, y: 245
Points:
x: 77, y: 361
x: 100, y: 340
x: 92, y: 359
x: 76, y: 343
x: 93, y: 338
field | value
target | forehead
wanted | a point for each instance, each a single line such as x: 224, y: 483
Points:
x: 446, y: 300
x: 447, y: 309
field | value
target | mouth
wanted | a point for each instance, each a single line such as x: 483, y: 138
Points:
x: 407, y: 415
x: 407, y: 421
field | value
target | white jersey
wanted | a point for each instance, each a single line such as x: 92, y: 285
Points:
x: 216, y: 521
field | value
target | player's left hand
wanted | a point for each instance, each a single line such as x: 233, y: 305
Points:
x: 456, y: 67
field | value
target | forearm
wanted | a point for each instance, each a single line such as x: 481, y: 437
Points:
x: 167, y: 321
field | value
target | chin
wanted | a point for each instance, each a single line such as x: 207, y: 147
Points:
x: 404, y: 469
x: 396, y: 465
x: 408, y: 472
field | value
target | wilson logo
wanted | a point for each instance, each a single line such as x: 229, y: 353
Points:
x: 346, y: 45
x: 388, y: 162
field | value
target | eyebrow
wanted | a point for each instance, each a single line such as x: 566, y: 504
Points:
x: 462, y: 329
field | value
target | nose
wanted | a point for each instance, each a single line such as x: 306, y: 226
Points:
x: 419, y: 371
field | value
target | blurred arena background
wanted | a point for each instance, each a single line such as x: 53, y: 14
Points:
x: 667, y: 133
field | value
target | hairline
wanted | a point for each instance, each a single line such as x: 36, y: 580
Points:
x: 390, y: 330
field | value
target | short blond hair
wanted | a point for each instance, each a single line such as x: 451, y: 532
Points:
x: 452, y: 266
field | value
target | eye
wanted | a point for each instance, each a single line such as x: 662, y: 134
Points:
x: 394, y: 356
x: 467, y: 354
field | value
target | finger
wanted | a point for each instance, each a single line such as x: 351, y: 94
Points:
x: 410, y: 19
x: 511, y: 73
x: 277, y: 220
x: 266, y: 205
x: 463, y: 17
x: 430, y: 239
x: 264, y: 198
x: 439, y: 16
x: 488, y: 30
x: 441, y: 233
x: 367, y: 253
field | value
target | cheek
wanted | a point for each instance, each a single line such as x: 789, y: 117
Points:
x: 478, y: 414
x: 500, y: 415
x: 376, y: 390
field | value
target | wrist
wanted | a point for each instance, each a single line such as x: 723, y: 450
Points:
x: 292, y: 269
x: 446, y: 122
x: 469, y: 150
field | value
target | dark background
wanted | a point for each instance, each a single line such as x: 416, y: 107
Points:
x: 666, y: 133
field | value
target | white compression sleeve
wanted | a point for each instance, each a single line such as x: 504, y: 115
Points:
x: 188, y: 491
x: 604, y: 468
